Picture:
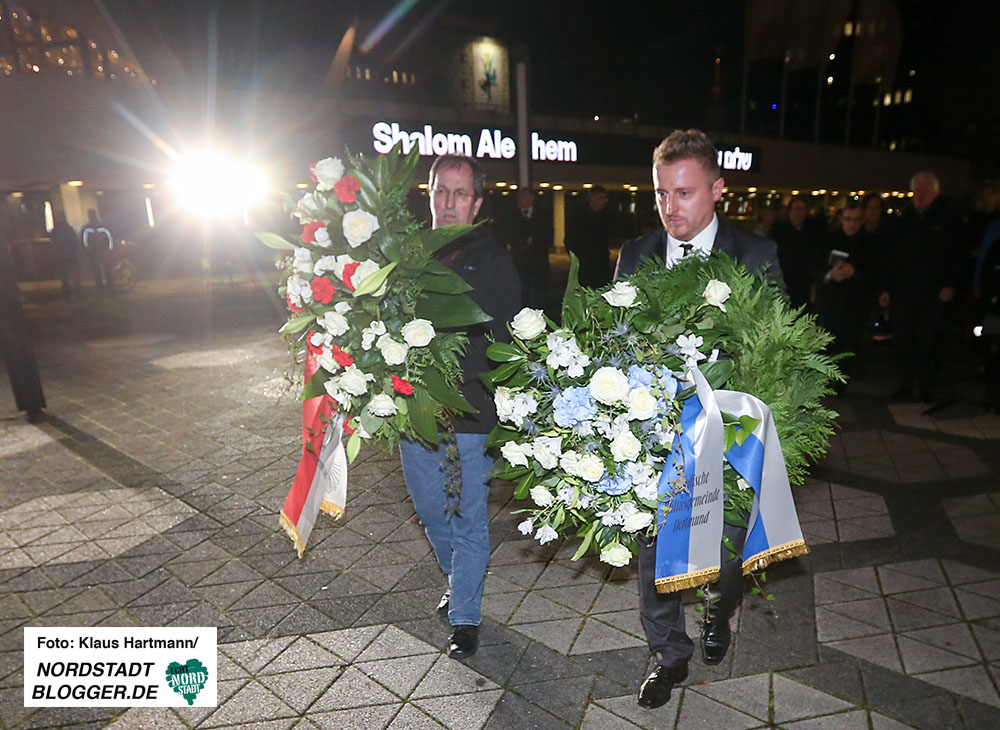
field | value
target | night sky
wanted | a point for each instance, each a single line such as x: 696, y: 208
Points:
x: 650, y: 60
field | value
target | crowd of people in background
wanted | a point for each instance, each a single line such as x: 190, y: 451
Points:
x: 921, y: 276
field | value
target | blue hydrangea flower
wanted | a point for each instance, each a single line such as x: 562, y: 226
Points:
x: 574, y: 405
x: 639, y: 377
x: 614, y: 484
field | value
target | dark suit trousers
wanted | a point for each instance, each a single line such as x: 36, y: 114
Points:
x: 662, y: 614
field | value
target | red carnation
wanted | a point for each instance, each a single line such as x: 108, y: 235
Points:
x: 313, y: 348
x: 401, y: 386
x: 323, y: 289
x: 349, y: 270
x: 346, y: 189
x: 292, y: 307
x: 312, y: 172
x: 309, y: 232
x: 342, y: 357
x: 347, y: 426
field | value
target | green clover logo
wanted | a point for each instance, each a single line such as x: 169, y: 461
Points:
x: 187, y: 679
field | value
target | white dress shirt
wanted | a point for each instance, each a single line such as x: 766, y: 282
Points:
x: 701, y: 244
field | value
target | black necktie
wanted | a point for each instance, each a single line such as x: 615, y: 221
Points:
x: 686, y: 249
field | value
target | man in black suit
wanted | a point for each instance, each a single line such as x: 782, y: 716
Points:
x: 528, y: 235
x: 688, y: 184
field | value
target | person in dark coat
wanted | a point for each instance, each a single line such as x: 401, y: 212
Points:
x: 687, y: 184
x: 587, y: 235
x: 798, y: 251
x: 528, y: 234
x: 98, y: 243
x: 67, y: 251
x: 460, y: 537
x: 845, y: 293
x: 925, y: 259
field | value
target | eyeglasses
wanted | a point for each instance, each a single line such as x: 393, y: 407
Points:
x: 460, y: 196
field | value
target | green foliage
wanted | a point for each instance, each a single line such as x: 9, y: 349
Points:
x: 400, y: 281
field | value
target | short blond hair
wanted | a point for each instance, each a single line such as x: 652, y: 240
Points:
x: 688, y: 144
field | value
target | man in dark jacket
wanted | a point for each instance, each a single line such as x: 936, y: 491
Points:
x: 687, y: 184
x: 798, y: 251
x: 845, y: 293
x: 527, y: 233
x: 460, y: 537
x: 921, y: 278
x: 67, y: 250
x: 98, y: 243
x: 588, y: 232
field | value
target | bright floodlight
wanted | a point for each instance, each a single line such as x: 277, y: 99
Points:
x: 210, y: 185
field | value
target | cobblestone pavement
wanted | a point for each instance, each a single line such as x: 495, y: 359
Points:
x: 149, y: 496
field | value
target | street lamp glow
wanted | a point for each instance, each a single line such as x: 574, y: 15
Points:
x: 211, y: 185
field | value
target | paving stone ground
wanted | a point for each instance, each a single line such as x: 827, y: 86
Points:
x: 149, y: 494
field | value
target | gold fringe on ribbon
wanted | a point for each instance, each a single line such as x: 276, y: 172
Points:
x: 293, y: 533
x: 332, y: 508
x: 773, y: 555
x: 686, y: 580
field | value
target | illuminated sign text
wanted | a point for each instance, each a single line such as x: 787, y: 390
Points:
x: 489, y: 143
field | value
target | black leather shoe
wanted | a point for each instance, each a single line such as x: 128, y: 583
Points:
x: 715, y: 639
x: 464, y: 641
x: 655, y: 691
x: 442, y: 606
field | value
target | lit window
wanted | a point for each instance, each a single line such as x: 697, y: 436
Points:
x: 395, y: 77
x: 848, y: 29
x: 898, y: 98
x: 887, y: 99
x: 908, y: 96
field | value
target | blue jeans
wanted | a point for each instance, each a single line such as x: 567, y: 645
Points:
x: 461, y: 542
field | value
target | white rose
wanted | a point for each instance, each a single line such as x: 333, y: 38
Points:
x: 365, y: 269
x: 325, y: 360
x: 299, y: 290
x: 637, y: 521
x: 547, y: 451
x: 302, y: 261
x: 526, y: 527
x: 546, y: 534
x: 418, y: 333
x: 528, y: 323
x: 359, y: 225
x: 641, y: 404
x: 393, y: 352
x: 327, y: 172
x: 590, y: 468
x: 307, y: 209
x: 382, y: 405
x: 609, y: 385
x: 324, y: 265
x: 516, y: 454
x: 504, y: 403
x: 541, y: 496
x: 569, y: 462
x: 354, y: 381
x: 716, y: 292
x: 334, y: 322
x: 625, y: 446
x: 322, y: 236
x: 622, y: 294
x: 616, y: 554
